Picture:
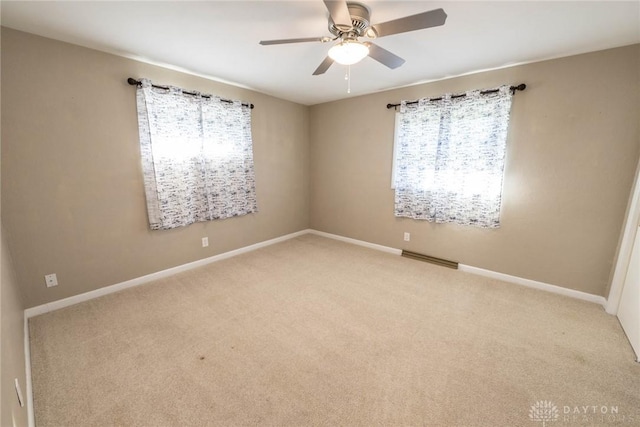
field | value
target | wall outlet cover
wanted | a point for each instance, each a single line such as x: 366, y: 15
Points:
x: 51, y: 280
x: 19, y: 393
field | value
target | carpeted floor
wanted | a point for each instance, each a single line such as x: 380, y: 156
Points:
x: 314, y: 331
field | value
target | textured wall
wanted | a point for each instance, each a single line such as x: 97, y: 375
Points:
x: 572, y: 152
x: 72, y: 192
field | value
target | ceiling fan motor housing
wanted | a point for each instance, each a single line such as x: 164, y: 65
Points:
x: 360, y: 21
x: 354, y: 21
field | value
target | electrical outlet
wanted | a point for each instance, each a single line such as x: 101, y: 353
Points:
x: 407, y: 236
x: 19, y: 393
x: 205, y: 242
x: 51, y: 280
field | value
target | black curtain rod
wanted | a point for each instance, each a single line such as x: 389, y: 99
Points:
x: 513, y: 89
x: 134, y: 82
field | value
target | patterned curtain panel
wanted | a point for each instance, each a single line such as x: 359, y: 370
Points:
x: 450, y: 158
x: 197, y: 157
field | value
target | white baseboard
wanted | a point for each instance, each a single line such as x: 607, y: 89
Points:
x: 76, y: 299
x: 66, y: 302
x: 534, y: 284
x: 31, y: 420
x: 481, y: 272
x: 357, y: 242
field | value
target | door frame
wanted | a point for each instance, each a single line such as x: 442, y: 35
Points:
x: 626, y: 245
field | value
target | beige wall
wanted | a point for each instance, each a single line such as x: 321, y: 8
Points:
x: 73, y: 200
x: 11, y: 344
x: 72, y: 193
x: 572, y: 151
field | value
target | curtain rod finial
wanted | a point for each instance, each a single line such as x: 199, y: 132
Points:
x: 132, y: 81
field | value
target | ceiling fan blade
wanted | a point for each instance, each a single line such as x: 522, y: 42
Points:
x: 433, y: 18
x: 322, y: 68
x: 339, y: 14
x: 384, y: 57
x: 284, y: 41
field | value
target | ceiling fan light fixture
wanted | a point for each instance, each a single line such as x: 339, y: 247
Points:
x: 348, y: 52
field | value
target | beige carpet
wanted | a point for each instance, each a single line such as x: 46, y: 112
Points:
x: 318, y: 332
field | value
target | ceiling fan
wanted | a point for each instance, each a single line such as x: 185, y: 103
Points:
x: 350, y: 20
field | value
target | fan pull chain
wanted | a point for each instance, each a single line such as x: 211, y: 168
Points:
x: 347, y: 77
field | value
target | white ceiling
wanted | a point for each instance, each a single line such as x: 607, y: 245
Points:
x: 219, y: 39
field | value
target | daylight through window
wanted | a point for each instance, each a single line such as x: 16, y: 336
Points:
x: 197, y: 157
x: 449, y: 158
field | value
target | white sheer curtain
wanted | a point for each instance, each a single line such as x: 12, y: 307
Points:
x: 450, y: 157
x: 197, y: 157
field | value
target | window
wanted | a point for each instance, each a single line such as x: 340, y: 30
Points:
x: 197, y: 157
x: 449, y: 158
